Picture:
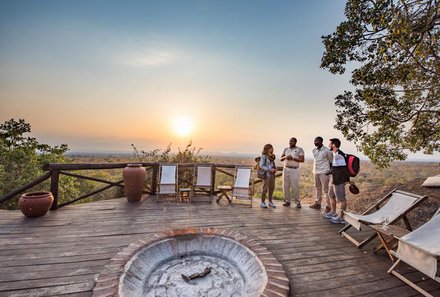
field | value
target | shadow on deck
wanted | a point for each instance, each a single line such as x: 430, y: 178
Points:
x: 61, y: 253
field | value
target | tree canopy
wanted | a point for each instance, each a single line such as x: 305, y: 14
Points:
x: 22, y: 158
x: 394, y: 47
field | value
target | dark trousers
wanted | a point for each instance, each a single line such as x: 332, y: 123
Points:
x: 268, y: 187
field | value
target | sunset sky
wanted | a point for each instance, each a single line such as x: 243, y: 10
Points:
x: 228, y: 75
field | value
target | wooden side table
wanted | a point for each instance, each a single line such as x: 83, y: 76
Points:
x: 389, y: 237
x: 185, y: 193
x: 224, y: 193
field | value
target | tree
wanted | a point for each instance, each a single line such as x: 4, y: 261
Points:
x: 22, y: 158
x: 395, y: 107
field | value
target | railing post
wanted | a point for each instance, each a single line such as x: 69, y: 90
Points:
x: 54, y: 186
x: 154, y: 179
x: 213, y: 179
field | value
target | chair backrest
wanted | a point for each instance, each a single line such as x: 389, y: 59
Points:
x: 168, y: 174
x: 428, y: 234
x: 242, y: 177
x: 203, y: 176
x: 437, y: 212
x: 397, y: 205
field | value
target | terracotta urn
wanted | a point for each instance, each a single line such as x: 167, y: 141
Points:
x: 35, y: 204
x: 134, y: 178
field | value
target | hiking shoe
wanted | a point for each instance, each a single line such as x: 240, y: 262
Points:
x: 263, y: 205
x: 330, y: 215
x: 272, y: 205
x: 315, y: 206
x: 326, y: 210
x: 286, y: 204
x: 298, y: 205
x: 337, y: 220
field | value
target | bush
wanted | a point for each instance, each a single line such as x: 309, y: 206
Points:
x: 190, y: 154
x: 22, y: 158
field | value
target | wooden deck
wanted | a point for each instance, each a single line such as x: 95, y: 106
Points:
x: 61, y: 253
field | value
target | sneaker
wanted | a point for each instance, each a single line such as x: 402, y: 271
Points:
x: 298, y: 205
x: 315, y: 206
x: 337, y: 220
x: 263, y: 205
x: 272, y: 205
x: 286, y: 204
x: 330, y: 215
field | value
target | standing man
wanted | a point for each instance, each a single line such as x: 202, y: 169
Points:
x: 322, y: 160
x: 292, y: 156
x: 338, y: 180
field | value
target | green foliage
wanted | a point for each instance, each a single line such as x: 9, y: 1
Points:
x: 22, y: 158
x: 396, y: 104
x: 190, y: 154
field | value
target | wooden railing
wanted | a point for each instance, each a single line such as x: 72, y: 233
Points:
x: 54, y: 170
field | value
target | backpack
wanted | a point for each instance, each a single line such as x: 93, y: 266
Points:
x: 353, y: 165
x: 261, y: 173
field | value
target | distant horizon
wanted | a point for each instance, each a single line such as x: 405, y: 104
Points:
x: 308, y: 157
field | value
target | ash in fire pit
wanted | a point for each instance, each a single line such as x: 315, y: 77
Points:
x: 202, y: 262
x: 157, y: 270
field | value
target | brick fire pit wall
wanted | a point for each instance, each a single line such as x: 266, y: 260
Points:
x: 153, y: 266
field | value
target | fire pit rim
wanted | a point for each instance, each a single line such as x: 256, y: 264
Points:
x: 108, y: 281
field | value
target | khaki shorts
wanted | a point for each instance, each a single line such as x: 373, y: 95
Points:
x: 337, y: 191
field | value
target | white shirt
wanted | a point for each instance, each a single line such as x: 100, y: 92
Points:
x: 295, y: 152
x: 338, y: 160
x: 323, y: 157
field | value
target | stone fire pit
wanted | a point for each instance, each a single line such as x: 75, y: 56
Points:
x: 193, y: 262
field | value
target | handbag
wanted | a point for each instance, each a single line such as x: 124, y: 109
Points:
x: 261, y: 173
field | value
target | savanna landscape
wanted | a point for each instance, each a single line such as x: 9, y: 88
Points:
x: 373, y: 182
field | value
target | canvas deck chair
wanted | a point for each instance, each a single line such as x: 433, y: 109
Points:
x: 202, y: 180
x: 421, y: 250
x: 396, y: 205
x: 168, y: 174
x: 243, y: 184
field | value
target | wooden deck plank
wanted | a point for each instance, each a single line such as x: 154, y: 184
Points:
x: 61, y: 253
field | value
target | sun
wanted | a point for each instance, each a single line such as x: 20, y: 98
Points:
x: 182, y: 126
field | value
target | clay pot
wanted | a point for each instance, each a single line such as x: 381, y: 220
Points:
x: 35, y: 204
x: 134, y: 177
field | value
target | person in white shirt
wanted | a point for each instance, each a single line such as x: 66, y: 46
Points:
x: 338, y: 180
x: 322, y: 159
x: 292, y: 156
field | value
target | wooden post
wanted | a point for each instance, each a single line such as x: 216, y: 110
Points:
x: 213, y: 179
x: 54, y: 186
x: 154, y: 179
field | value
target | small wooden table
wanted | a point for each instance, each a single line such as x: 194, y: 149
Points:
x: 389, y: 237
x: 185, y: 193
x: 224, y: 193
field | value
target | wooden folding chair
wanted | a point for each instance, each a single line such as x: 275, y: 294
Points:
x: 243, y: 184
x: 202, y: 180
x: 168, y: 174
x: 396, y: 205
x: 421, y: 250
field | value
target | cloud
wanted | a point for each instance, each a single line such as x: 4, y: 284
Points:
x: 151, y: 58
